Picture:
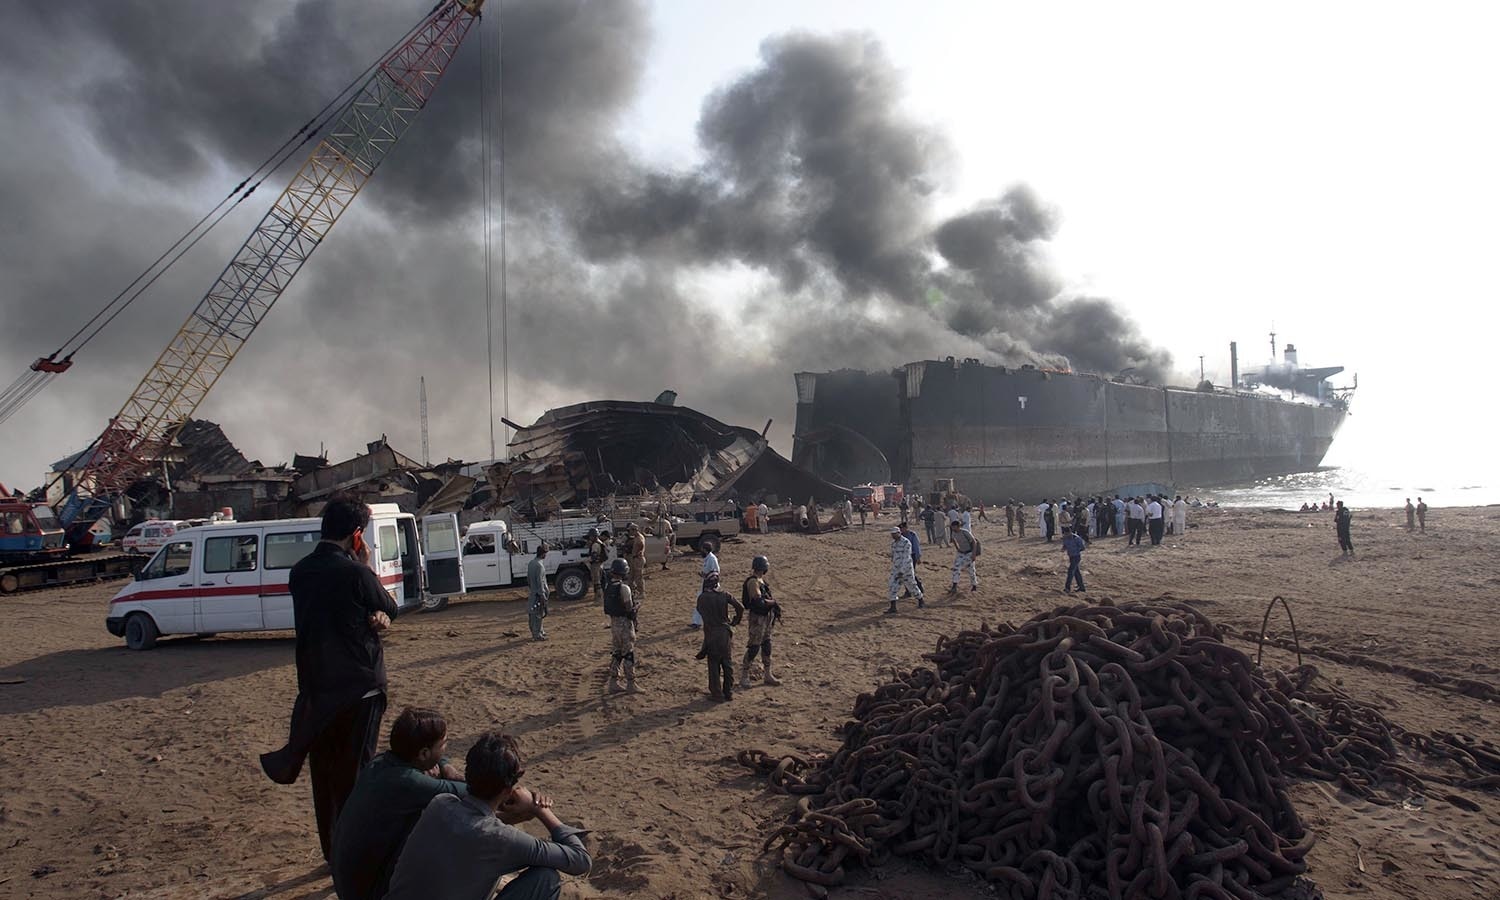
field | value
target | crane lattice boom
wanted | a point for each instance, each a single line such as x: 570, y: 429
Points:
x: 354, y: 146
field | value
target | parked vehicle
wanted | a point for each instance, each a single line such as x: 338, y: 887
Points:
x: 232, y: 576
x: 865, y: 497
x: 702, y: 525
x: 497, y: 554
x: 151, y: 535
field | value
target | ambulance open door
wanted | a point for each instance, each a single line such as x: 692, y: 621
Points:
x: 443, y: 555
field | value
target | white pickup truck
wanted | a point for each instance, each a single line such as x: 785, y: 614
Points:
x: 496, y: 555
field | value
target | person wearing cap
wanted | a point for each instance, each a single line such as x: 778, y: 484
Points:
x: 764, y: 612
x: 903, y: 570
x: 718, y: 635
x: 966, y: 549
x: 710, y: 566
x: 635, y: 542
x: 537, y: 593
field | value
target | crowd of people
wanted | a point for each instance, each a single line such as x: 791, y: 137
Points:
x: 408, y: 823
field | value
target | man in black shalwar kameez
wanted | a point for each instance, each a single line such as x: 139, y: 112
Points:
x: 340, y: 609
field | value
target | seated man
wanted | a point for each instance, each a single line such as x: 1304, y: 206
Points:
x: 386, y: 802
x: 463, y: 844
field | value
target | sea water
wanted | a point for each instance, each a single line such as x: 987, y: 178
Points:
x: 1437, y: 485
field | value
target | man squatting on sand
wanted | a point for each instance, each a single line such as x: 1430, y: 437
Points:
x: 718, y: 635
x: 386, y: 802
x: 464, y: 843
x: 765, y: 612
x: 339, y: 608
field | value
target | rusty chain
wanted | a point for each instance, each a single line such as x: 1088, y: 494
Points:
x: 1095, y: 751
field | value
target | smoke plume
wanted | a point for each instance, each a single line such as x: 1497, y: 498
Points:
x: 814, y: 193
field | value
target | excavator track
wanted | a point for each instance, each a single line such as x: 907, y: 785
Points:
x: 74, y: 570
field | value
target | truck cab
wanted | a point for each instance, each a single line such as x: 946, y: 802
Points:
x: 233, y: 576
x: 29, y: 530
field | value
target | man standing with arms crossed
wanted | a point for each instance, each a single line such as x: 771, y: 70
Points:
x: 340, y: 608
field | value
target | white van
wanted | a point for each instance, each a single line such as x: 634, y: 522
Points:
x: 232, y: 576
x: 151, y: 535
x: 497, y: 554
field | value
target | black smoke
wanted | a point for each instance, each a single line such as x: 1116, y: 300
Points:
x: 130, y: 117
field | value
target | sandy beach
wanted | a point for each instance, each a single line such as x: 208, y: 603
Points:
x: 135, y: 774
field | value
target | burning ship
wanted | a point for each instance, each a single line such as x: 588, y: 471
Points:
x: 1028, y: 433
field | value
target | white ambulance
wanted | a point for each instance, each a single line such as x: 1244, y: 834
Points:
x: 150, y: 535
x: 232, y: 576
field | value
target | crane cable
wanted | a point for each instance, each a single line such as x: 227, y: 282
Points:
x: 489, y: 302
x: 35, y: 379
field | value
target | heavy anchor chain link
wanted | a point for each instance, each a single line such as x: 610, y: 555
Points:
x: 1119, y: 751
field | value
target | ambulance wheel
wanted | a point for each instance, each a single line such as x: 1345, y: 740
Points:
x: 572, y: 584
x: 140, y: 632
x: 9, y: 583
x: 708, y: 544
x: 434, y: 604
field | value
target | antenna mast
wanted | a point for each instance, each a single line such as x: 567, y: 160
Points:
x: 425, y: 460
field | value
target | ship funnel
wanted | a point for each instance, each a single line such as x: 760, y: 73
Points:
x: 1290, y: 354
x: 1234, y: 366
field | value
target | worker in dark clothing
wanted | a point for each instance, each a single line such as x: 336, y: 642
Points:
x: 718, y: 636
x: 340, y: 608
x: 1342, y: 519
x: 1073, y: 545
x: 1049, y: 519
x: 1010, y: 518
x: 929, y: 520
x: 386, y: 802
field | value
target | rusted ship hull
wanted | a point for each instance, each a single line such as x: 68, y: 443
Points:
x: 1029, y: 434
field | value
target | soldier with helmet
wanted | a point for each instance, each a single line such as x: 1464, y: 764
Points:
x: 621, y: 606
x: 765, y: 612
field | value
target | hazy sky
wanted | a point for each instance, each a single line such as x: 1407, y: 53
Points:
x: 1209, y: 171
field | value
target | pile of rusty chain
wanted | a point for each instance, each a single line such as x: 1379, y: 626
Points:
x: 1095, y: 751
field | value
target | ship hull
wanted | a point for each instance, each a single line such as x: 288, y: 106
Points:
x: 1028, y: 434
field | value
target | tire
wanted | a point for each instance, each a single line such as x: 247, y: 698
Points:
x: 9, y: 583
x: 140, y: 632
x: 708, y: 543
x: 573, y: 584
x: 434, y: 604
